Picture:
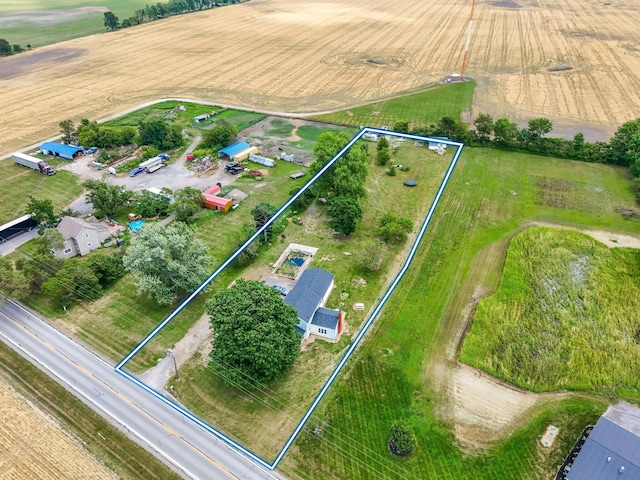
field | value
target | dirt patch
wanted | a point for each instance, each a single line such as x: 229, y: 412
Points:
x: 610, y: 239
x: 34, y: 445
x: 15, y: 66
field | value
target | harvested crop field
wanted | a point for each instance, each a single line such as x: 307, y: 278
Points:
x: 33, y: 446
x: 309, y: 56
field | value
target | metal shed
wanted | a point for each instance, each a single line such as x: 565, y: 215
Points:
x: 55, y: 149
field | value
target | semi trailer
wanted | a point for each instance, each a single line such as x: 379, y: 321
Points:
x: 32, y: 162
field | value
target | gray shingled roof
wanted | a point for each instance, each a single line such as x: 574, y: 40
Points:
x: 610, y: 446
x: 308, y: 292
x: 70, y: 227
x: 325, y: 318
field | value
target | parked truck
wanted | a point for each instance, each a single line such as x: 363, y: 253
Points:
x: 152, y: 164
x: 33, y: 163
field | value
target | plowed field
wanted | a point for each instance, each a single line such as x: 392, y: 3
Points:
x: 33, y: 446
x: 309, y: 56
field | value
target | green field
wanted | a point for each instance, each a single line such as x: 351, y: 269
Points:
x: 422, y: 108
x: 491, y: 196
x: 565, y: 316
x: 37, y: 31
x: 18, y: 183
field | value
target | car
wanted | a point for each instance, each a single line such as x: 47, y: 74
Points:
x: 136, y: 171
x: 164, y: 156
x: 231, y: 166
x: 92, y: 151
x: 283, y: 291
x: 235, y: 170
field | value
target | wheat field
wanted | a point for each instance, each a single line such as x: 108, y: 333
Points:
x: 310, y: 56
x: 34, y: 446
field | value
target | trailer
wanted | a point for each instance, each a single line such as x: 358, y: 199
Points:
x: 151, y: 164
x: 267, y: 162
x: 33, y: 163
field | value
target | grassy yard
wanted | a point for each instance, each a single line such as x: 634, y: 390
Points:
x: 263, y: 419
x: 565, y: 316
x: 18, y: 183
x: 417, y: 109
x: 491, y: 196
x: 163, y: 109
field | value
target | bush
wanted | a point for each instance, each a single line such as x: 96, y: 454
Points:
x: 394, y: 229
x: 370, y: 256
x: 403, y: 441
x: 391, y: 172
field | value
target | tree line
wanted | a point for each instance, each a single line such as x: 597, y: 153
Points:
x: 163, y: 10
x: 7, y: 48
x: 623, y: 148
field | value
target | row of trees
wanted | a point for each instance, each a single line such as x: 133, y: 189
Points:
x: 162, y: 10
x: 7, y: 49
x: 623, y: 148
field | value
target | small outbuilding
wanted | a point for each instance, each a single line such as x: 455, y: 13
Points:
x: 201, y: 118
x: 219, y: 204
x: 55, y: 149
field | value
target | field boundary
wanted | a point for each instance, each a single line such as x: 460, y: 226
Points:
x: 354, y: 343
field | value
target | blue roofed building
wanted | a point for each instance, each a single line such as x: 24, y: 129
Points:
x: 612, y: 449
x: 233, y: 150
x: 308, y: 297
x: 55, y: 149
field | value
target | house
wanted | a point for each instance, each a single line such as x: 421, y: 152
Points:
x: 55, y: 149
x: 612, y: 449
x: 81, y: 236
x: 237, y: 152
x: 308, y: 297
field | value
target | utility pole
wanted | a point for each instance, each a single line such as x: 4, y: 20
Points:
x: 175, y: 364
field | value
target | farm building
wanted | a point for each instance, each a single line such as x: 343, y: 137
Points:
x: 81, y: 236
x: 201, y: 118
x: 308, y: 297
x: 237, y: 152
x: 212, y: 201
x: 612, y: 449
x: 434, y: 144
x: 55, y: 149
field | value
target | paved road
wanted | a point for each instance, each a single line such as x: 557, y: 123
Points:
x: 189, y: 449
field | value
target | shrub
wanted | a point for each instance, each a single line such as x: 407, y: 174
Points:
x: 403, y: 441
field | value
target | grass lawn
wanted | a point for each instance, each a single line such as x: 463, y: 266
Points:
x: 417, y: 109
x: 163, y: 109
x: 491, y: 196
x: 565, y: 316
x: 18, y: 183
x: 263, y: 419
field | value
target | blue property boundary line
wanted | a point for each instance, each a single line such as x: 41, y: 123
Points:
x: 354, y: 343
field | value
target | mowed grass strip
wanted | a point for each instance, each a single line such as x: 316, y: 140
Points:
x: 106, y: 442
x: 565, y: 316
x: 492, y: 195
x: 420, y: 108
x: 19, y: 183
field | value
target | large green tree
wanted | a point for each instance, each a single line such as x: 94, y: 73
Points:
x: 111, y: 22
x: 484, y: 127
x: 106, y: 197
x: 166, y: 261
x: 5, y: 47
x: 345, y: 213
x: 68, y: 130
x: 13, y: 282
x: 188, y: 202
x: 75, y: 281
x: 624, y: 147
x: 162, y: 135
x: 261, y: 214
x: 254, y: 341
x: 42, y: 210
x: 221, y: 135
x: 505, y: 131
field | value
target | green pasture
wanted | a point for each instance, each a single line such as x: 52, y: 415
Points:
x: 18, y: 183
x: 162, y: 109
x: 421, y: 108
x: 491, y: 196
x: 564, y: 317
x: 37, y: 31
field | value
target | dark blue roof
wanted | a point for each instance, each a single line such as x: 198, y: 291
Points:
x: 326, y: 318
x: 309, y: 291
x: 299, y: 330
x: 607, y: 440
x: 61, y: 148
x: 233, y: 149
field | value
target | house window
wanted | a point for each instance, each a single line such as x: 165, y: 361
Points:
x: 86, y: 235
x: 322, y: 330
x: 67, y: 251
x: 89, y: 244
